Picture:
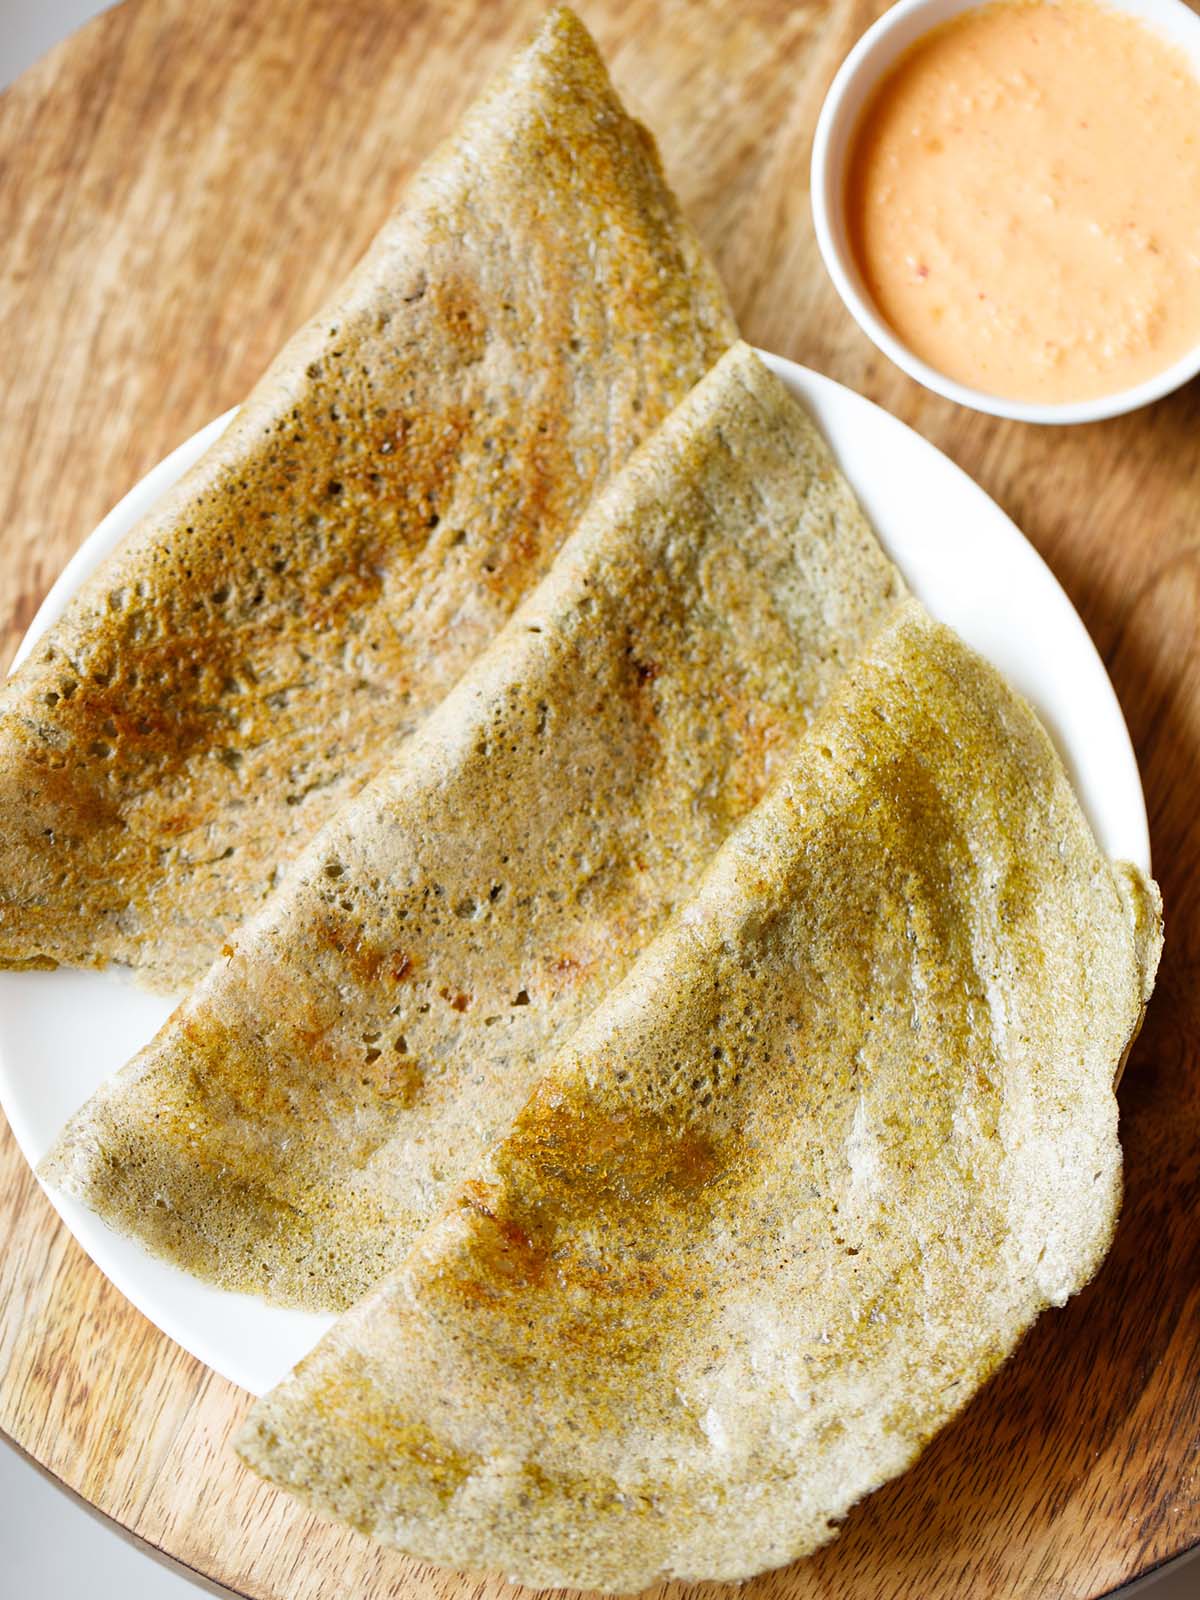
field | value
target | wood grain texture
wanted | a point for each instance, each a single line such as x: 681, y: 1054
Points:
x: 180, y: 184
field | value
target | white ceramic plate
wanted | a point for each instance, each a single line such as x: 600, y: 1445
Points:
x: 62, y: 1033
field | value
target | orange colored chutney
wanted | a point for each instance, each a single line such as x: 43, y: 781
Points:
x: 1023, y: 200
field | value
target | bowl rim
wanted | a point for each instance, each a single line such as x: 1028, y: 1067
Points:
x: 870, y: 58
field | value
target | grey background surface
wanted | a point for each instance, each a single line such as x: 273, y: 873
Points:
x: 51, y: 1548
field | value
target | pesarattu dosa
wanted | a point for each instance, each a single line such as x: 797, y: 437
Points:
x: 403, y: 473
x: 364, y: 1038
x: 788, y: 1196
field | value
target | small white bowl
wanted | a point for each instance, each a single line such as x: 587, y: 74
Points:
x: 871, y: 58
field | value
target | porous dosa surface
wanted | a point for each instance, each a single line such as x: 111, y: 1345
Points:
x: 373, y: 1030
x: 403, y: 473
x: 788, y: 1197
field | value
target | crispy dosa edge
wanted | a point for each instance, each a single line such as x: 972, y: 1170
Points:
x: 402, y: 474
x: 528, y: 1395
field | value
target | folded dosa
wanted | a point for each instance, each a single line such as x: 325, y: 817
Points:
x: 366, y: 1037
x: 788, y: 1197
x: 403, y: 473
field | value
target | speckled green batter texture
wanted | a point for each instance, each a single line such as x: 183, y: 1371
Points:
x: 364, y: 1039
x: 788, y: 1197
x: 401, y: 476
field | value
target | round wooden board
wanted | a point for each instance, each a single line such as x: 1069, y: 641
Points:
x: 180, y: 184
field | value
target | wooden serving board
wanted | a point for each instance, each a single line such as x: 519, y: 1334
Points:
x: 180, y: 185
